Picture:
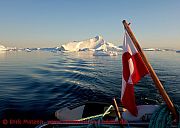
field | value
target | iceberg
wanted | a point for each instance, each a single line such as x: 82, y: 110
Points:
x: 153, y: 49
x: 93, y: 43
x: 96, y: 44
x: 12, y: 49
x: 3, y: 48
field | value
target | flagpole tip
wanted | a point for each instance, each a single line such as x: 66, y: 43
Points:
x: 124, y: 21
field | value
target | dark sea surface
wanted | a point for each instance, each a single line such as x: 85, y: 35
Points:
x: 33, y: 85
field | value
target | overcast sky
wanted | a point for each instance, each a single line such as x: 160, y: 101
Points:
x: 49, y: 23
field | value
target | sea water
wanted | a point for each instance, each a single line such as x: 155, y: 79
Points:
x: 33, y: 85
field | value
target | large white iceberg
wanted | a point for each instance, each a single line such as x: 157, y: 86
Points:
x: 94, y: 44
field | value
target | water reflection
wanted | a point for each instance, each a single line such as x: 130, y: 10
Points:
x: 2, y: 54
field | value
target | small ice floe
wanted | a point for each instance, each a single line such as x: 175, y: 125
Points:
x: 105, y: 53
x: 158, y: 49
x: 149, y: 49
x: 168, y: 49
x: 28, y: 50
x: 177, y: 51
x: 57, y: 48
x: 113, y: 53
x: 12, y: 49
x: 153, y: 49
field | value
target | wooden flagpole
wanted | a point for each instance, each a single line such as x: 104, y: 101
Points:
x: 152, y: 72
x: 117, y: 112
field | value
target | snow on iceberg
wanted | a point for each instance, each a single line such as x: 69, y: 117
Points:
x: 96, y: 44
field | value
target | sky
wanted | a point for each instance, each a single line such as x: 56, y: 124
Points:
x: 51, y: 23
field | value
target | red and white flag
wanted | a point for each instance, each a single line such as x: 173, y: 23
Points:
x: 133, y: 69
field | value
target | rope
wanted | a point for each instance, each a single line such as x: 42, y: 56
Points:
x: 97, y: 119
x: 162, y: 118
x: 97, y: 116
x: 107, y: 111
